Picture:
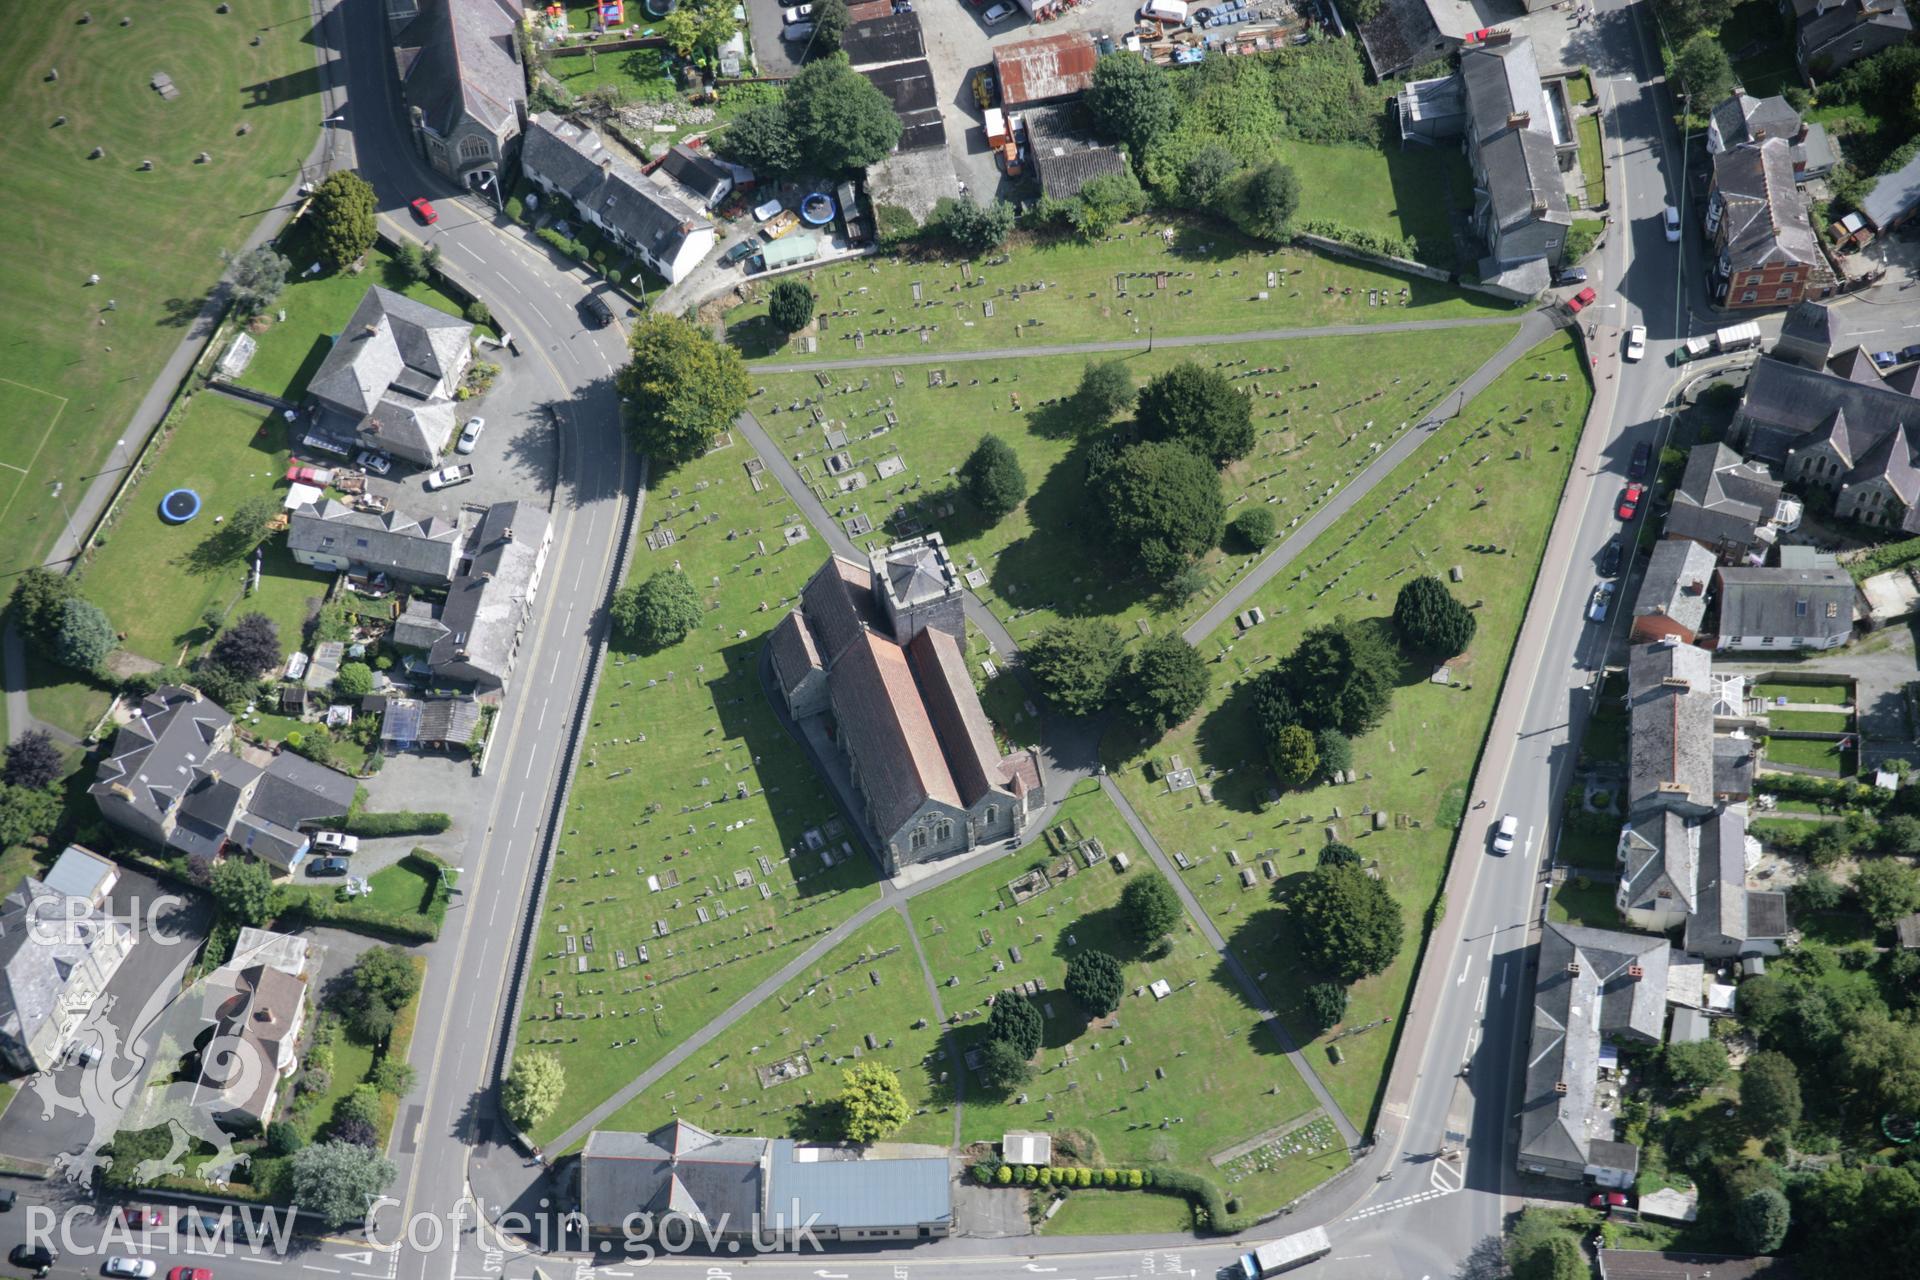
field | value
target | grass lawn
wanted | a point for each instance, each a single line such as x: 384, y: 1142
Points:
x: 1588, y: 902
x: 1810, y: 753
x: 1310, y: 439
x: 686, y: 775
x: 64, y: 698
x: 1097, y: 293
x: 1091, y: 1212
x: 1388, y: 190
x: 641, y: 75
x: 1593, y: 160
x: 1595, y: 850
x: 1579, y: 89
x: 1825, y: 695
x: 1225, y: 1079
x: 1506, y: 442
x: 75, y: 371
x: 318, y: 308
x: 228, y: 452
x: 1812, y: 721
x: 1756, y: 39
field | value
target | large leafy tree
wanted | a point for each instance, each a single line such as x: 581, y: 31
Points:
x: 86, y: 637
x: 1339, y: 676
x: 1132, y: 100
x: 1880, y: 1058
x: 829, y: 18
x: 1694, y: 1065
x: 840, y: 121
x: 1336, y: 751
x: 1075, y: 662
x: 258, y: 279
x: 1206, y: 174
x: 1016, y: 1020
x: 249, y: 646
x: 1270, y: 199
x: 38, y: 604
x: 993, y: 477
x: 337, y: 1182
x: 1162, y: 682
x: 26, y: 812
x: 659, y: 612
x: 1105, y: 391
x: 33, y: 761
x: 1095, y: 980
x: 1294, y: 757
x: 1349, y: 924
x: 1703, y: 69
x: 872, y: 1104
x: 790, y: 306
x: 1858, y: 1221
x: 680, y: 390
x: 1158, y: 504
x: 1105, y: 202
x: 1254, y: 527
x: 245, y: 891
x: 969, y: 227
x: 385, y: 975
x: 1887, y: 889
x: 1761, y: 1219
x: 1327, y: 1002
x: 1557, y: 1257
x: 1003, y: 1067
x: 1430, y: 620
x: 1151, y: 909
x: 354, y: 681
x: 1199, y: 408
x: 762, y: 139
x: 1769, y: 1094
x: 342, y: 213
x: 533, y: 1088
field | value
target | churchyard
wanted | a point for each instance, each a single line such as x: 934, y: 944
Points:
x: 1481, y: 496
x: 80, y: 356
x: 1158, y: 275
x: 879, y: 445
x: 700, y: 851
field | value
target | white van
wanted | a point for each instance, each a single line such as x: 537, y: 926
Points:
x: 1504, y: 833
x: 1174, y: 11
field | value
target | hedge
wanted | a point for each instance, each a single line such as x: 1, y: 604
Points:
x: 400, y: 822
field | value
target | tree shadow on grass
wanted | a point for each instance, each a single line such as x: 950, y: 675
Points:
x: 757, y: 337
x: 178, y: 313
x: 1037, y: 571
x: 1228, y: 742
x: 1264, y: 941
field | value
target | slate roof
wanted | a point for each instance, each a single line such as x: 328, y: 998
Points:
x: 465, y: 65
x: 418, y: 625
x: 894, y: 38
x: 1786, y: 402
x: 1522, y: 173
x: 1743, y: 117
x: 678, y: 1169
x: 1670, y: 727
x: 915, y: 572
x: 44, y: 937
x: 260, y: 1005
x: 576, y: 161
x: 1661, y: 850
x: 1722, y: 499
x: 697, y: 172
x: 295, y: 790
x: 1720, y: 901
x: 795, y: 656
x: 1889, y: 459
x: 156, y: 755
x: 1808, y: 604
x: 1585, y: 991
x: 1837, y: 23
x: 1813, y: 324
x: 486, y: 602
x: 1676, y: 581
x: 1894, y: 195
x: 1764, y: 215
x: 834, y: 612
x: 391, y: 541
x: 907, y: 85
x: 388, y: 336
x: 855, y: 1193
x: 1502, y: 82
x: 1046, y: 69
x: 1733, y: 765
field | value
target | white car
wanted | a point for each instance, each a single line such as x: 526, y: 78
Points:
x: 997, y: 15
x: 1673, y: 225
x: 140, y: 1268
x: 378, y: 463
x: 447, y: 477
x: 1602, y: 600
x: 336, y: 842
x: 1504, y: 833
x: 1637, y: 342
x: 795, y: 14
x: 771, y: 209
x: 470, y: 435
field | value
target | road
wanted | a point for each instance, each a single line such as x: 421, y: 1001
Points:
x: 1430, y: 1213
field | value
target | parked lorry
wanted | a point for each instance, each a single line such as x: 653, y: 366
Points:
x: 1284, y: 1255
x: 447, y: 477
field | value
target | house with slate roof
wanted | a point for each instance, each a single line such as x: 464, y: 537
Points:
x: 1785, y: 607
x: 1520, y: 196
x: 57, y: 954
x: 874, y: 651
x: 562, y: 158
x: 1808, y: 335
x: 1765, y: 251
x: 1743, y: 118
x: 388, y: 382
x: 466, y: 92
x: 1673, y: 592
x: 171, y: 780
x: 1596, y: 989
x: 1834, y: 34
x: 259, y: 999
x: 333, y: 537
x: 1726, y: 504
x: 732, y: 1188
x: 699, y: 174
x: 1894, y: 197
x: 490, y: 598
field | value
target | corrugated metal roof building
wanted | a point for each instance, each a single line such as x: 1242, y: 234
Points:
x: 1049, y: 69
x: 859, y: 1199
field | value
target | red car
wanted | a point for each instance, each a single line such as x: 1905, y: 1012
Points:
x: 1630, y: 501
x: 1608, y: 1200
x: 424, y: 211
x: 1584, y: 298
x: 189, y: 1273
x: 136, y: 1219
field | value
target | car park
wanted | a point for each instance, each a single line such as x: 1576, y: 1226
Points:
x: 1630, y: 501
x: 334, y: 866
x: 1601, y: 601
x: 424, y: 210
x: 740, y: 252
x: 1610, y: 557
x: 1503, y: 833
x: 795, y: 14
x: 1641, y: 460
x: 1637, y: 342
x: 997, y: 15
x: 470, y: 435
x: 369, y: 460
x: 1671, y: 220
x: 337, y: 841
x: 1584, y: 298
x: 138, y: 1268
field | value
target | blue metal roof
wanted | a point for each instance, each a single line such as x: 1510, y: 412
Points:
x: 858, y: 1193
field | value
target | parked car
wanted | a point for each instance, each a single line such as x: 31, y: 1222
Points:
x: 1638, y: 464
x: 761, y: 212
x: 595, y: 311
x: 37, y: 1258
x: 795, y: 14
x: 470, y: 435
x: 1672, y: 223
x: 327, y: 867
x: 368, y: 460
x: 138, y: 1268
x: 997, y: 15
x: 1610, y: 557
x: 424, y: 210
x: 1607, y: 1200
x: 1569, y: 275
x: 740, y: 252
x: 1630, y: 501
x: 447, y: 477
x: 1910, y: 353
x: 1504, y: 833
x: 189, y: 1273
x: 798, y: 31
x: 337, y: 841
x: 1584, y: 298
x: 1885, y: 359
x: 7, y: 1196
x: 135, y: 1218
x: 1637, y: 342
x: 1602, y: 600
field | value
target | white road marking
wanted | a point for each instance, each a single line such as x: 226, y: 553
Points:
x: 543, y: 715
x: 492, y: 911
x: 1480, y: 1003
x: 518, y: 805
x: 1464, y: 966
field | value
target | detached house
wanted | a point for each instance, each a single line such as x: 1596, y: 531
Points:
x: 1800, y: 606
x: 466, y: 92
x: 389, y: 381
x: 1832, y: 35
x: 57, y: 954
x: 562, y: 158
x: 258, y: 999
x: 1765, y: 251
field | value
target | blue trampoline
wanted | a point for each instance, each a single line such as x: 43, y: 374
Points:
x: 817, y: 209
x: 179, y: 506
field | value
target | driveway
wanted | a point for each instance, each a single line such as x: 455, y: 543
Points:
x: 775, y: 56
x: 515, y: 460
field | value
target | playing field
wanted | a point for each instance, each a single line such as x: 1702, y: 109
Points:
x: 76, y: 358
